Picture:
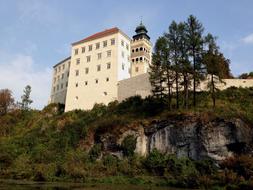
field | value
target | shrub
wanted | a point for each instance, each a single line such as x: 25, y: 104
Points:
x: 128, y: 145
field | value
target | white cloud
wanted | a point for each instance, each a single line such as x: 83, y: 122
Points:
x: 248, y: 39
x: 19, y: 70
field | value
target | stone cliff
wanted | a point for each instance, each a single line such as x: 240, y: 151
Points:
x: 184, y: 136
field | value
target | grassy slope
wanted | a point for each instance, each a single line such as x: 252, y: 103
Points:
x: 50, y: 145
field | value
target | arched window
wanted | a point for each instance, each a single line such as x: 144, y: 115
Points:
x: 136, y: 50
x: 137, y: 59
x: 141, y: 48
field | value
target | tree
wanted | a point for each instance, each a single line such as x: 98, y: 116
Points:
x: 6, y: 101
x: 216, y: 65
x: 195, y: 41
x: 26, y: 101
x: 173, y: 42
x: 156, y: 73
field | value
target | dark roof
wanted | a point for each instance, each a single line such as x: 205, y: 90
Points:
x: 62, y: 61
x: 98, y: 35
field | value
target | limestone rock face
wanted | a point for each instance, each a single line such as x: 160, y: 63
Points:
x: 193, y: 138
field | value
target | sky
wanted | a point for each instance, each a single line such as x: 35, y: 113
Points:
x: 36, y: 34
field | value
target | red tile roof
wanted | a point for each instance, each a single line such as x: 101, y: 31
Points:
x: 98, y: 35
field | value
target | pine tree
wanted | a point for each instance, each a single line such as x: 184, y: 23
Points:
x: 156, y: 73
x: 216, y: 66
x: 26, y: 101
x: 195, y: 46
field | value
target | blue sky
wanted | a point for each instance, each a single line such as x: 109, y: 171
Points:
x: 36, y: 34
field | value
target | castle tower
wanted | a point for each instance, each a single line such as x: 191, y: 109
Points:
x: 140, y: 51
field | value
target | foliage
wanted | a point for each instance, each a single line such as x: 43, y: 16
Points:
x: 128, y: 145
x: 25, y: 98
x: 6, y: 101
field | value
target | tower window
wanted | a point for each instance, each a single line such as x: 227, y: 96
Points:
x: 99, y: 55
x: 108, y: 65
x: 78, y: 61
x: 112, y: 41
x: 77, y: 72
x: 109, y: 53
x: 83, y: 49
x: 98, y: 67
x: 86, y: 70
x: 140, y: 58
x: 104, y: 43
x: 76, y: 84
x: 88, y: 58
x: 62, y: 76
x: 76, y: 51
x: 90, y: 47
x: 97, y: 45
x: 96, y: 81
x: 136, y: 49
x: 132, y: 60
x: 137, y: 59
x: 86, y: 83
x: 141, y: 48
x: 107, y: 79
x: 132, y: 50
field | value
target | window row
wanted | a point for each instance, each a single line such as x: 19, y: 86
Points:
x: 96, y: 46
x: 58, y: 87
x: 139, y: 59
x: 140, y: 49
x: 99, y: 56
x: 96, y: 81
x: 61, y: 68
x: 60, y: 77
x: 108, y: 66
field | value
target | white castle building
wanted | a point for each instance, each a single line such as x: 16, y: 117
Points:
x: 108, y: 66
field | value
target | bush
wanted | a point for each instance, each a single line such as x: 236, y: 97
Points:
x: 128, y: 145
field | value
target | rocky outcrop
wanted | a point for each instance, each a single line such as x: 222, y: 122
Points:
x: 184, y: 136
x: 193, y: 138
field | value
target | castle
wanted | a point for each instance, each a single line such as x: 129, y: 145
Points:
x: 109, y: 66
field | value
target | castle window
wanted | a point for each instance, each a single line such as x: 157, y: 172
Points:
x: 76, y: 84
x: 61, y: 85
x: 136, y: 49
x: 99, y: 55
x: 141, y: 48
x: 66, y: 84
x: 109, y: 53
x: 69, y: 63
x: 63, y: 67
x: 77, y: 61
x: 77, y: 72
x: 132, y: 50
x: 123, y: 66
x: 88, y: 58
x: 62, y: 76
x: 140, y: 58
x: 133, y: 60
x: 107, y: 79
x: 76, y: 51
x: 96, y: 81
x: 68, y: 74
x: 122, y: 43
x: 112, y: 41
x: 86, y: 83
x: 57, y: 87
x: 90, y: 47
x: 76, y: 98
x: 86, y: 70
x: 108, y: 65
x: 97, y: 45
x: 104, y: 43
x: 127, y: 46
x: 98, y: 67
x: 83, y: 49
x: 137, y: 59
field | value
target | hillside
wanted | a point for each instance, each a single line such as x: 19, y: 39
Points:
x: 123, y: 143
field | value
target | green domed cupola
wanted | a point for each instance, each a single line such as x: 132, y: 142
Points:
x: 141, y: 32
